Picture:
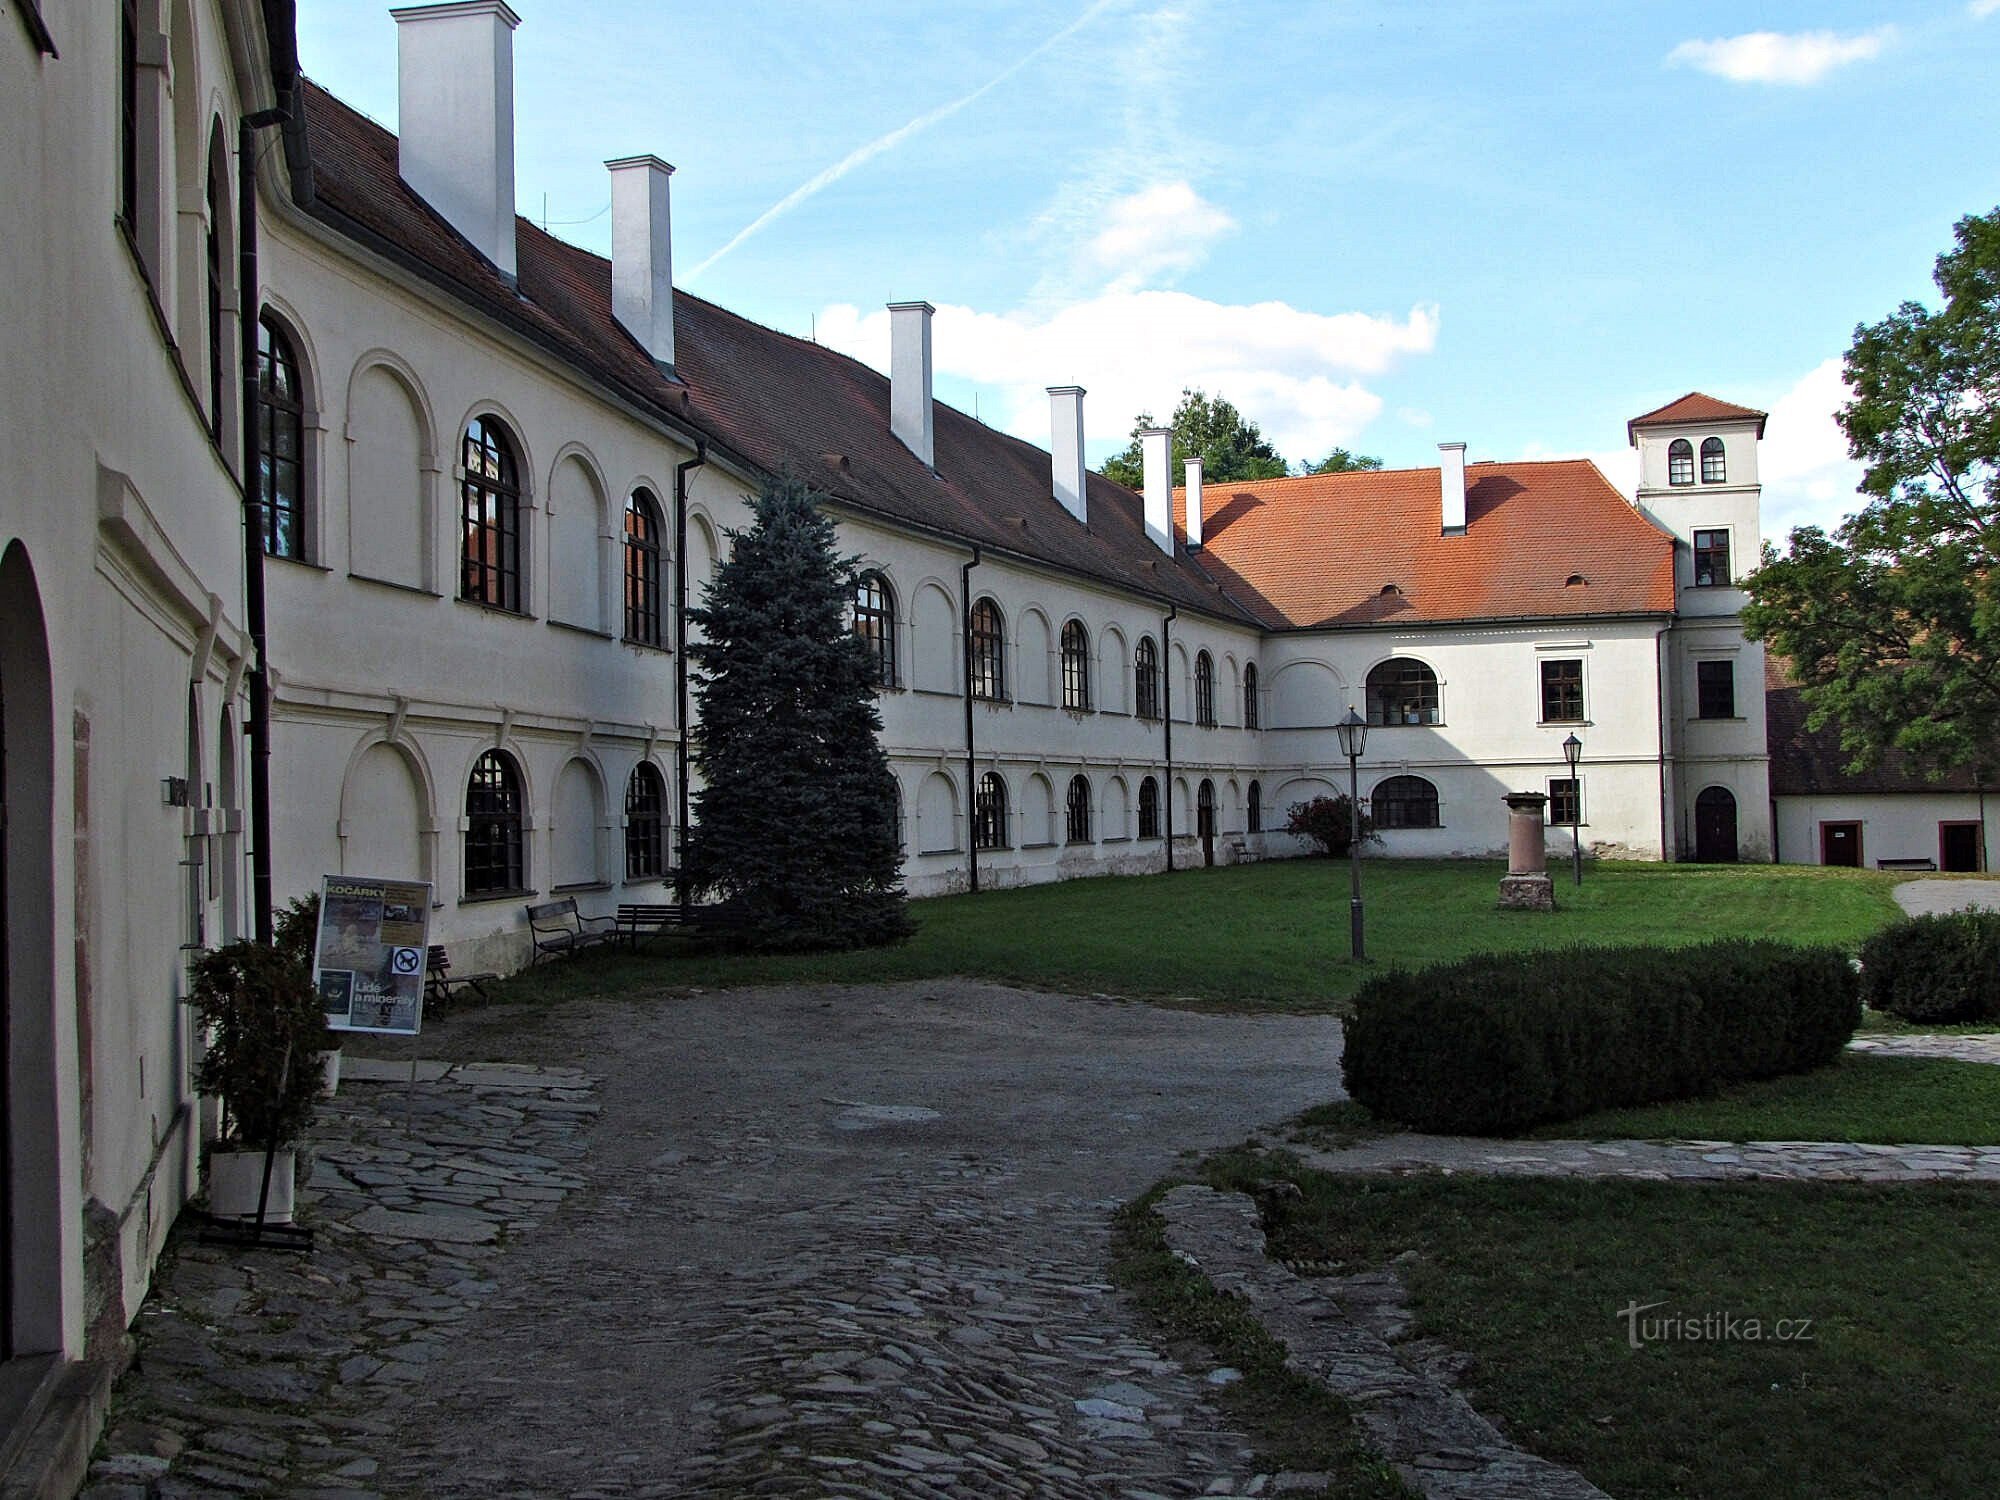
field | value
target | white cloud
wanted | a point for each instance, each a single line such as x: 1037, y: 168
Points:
x: 1156, y: 233
x: 1981, y: 9
x: 1293, y: 372
x: 1799, y: 57
x: 1808, y: 478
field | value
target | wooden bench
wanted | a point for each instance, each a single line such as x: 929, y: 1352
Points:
x: 558, y: 929
x: 650, y: 919
x: 440, y: 983
x: 1920, y: 863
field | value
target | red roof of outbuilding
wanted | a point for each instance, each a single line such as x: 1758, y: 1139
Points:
x: 1694, y: 407
x: 1366, y: 548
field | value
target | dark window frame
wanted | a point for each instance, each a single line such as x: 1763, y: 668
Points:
x: 1149, y: 808
x: 1252, y: 716
x: 1390, y: 698
x: 1077, y: 810
x: 281, y: 426
x: 1680, y: 463
x: 1405, y: 802
x: 987, y: 659
x: 989, y: 813
x: 1562, y: 690
x: 875, y: 623
x: 216, y: 258
x: 1076, y: 667
x: 128, y: 113
x: 1256, y: 807
x: 495, y: 850
x: 1714, y: 461
x: 1204, y: 689
x: 1715, y: 689
x: 1711, y: 558
x: 490, y: 516
x: 1561, y: 790
x: 1146, y: 679
x: 644, y: 598
x: 645, y: 823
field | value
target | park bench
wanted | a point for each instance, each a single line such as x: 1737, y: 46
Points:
x: 649, y: 919
x: 1921, y: 863
x: 558, y: 928
x: 440, y: 983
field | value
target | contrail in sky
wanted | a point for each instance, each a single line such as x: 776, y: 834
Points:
x: 896, y: 137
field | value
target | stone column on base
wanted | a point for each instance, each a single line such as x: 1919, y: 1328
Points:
x: 1526, y: 885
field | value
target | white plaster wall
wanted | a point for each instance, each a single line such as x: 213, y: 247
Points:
x: 1894, y: 825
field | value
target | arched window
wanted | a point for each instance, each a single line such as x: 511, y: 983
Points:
x: 1405, y: 802
x: 645, y: 824
x: 1149, y: 809
x: 490, y: 509
x: 1714, y: 469
x: 1076, y: 665
x: 491, y: 513
x: 1146, y: 682
x: 875, y: 623
x: 1204, y: 689
x: 494, y: 862
x: 1680, y: 462
x: 1204, y: 809
x: 1251, y: 718
x: 989, y: 813
x: 218, y: 258
x: 281, y: 441
x: 1256, y: 811
x: 989, y: 652
x: 1402, y: 690
x: 642, y: 568
x: 1079, y: 810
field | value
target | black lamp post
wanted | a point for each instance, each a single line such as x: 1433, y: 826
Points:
x: 1573, y: 752
x: 1353, y: 732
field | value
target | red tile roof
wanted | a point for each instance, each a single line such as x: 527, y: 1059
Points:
x: 1809, y: 762
x: 1691, y: 408
x: 1366, y: 548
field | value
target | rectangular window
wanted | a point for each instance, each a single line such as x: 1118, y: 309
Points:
x: 1715, y: 689
x: 1565, y: 801
x: 1711, y: 560
x: 1562, y: 692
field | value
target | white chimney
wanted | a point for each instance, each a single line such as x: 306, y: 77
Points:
x: 455, y: 117
x: 642, y: 253
x: 1066, y: 449
x: 1451, y: 477
x: 910, y: 375
x: 1156, y: 447
x: 1194, y: 504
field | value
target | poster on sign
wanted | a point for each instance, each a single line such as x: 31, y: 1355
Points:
x: 368, y: 962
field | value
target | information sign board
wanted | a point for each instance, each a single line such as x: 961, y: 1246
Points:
x: 370, y: 957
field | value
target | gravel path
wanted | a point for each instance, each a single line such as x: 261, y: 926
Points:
x: 1798, y: 1161
x: 1921, y: 898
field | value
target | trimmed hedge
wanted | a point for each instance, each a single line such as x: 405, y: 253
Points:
x: 1500, y: 1042
x: 1943, y: 968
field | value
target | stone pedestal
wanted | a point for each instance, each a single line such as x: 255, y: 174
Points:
x: 1526, y: 886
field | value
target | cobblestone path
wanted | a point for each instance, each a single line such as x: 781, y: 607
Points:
x: 821, y: 1243
x: 1661, y: 1161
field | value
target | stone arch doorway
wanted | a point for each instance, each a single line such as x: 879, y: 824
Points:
x: 30, y: 1197
x: 1715, y: 826
x: 1205, y: 820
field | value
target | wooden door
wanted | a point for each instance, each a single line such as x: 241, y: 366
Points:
x: 1840, y: 844
x: 1715, y: 826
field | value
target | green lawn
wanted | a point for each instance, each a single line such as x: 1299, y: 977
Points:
x: 1890, y: 1100
x: 1890, y: 1395
x: 1274, y: 935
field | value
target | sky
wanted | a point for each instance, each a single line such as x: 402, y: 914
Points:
x: 1374, y: 224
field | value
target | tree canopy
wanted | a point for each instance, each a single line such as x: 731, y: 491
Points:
x: 1892, y: 623
x: 1229, y: 445
x: 795, y: 823
x: 1340, y: 461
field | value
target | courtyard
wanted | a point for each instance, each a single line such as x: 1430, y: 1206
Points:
x: 642, y: 1227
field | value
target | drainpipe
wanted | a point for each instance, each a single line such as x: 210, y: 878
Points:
x: 261, y: 898
x: 971, y: 766
x: 1167, y: 721
x: 1670, y: 844
x: 681, y: 472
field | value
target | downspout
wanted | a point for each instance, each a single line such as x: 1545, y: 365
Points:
x: 971, y: 764
x: 681, y: 472
x: 261, y: 898
x: 1167, y: 721
x: 1670, y: 848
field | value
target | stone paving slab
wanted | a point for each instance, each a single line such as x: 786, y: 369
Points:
x: 1664, y: 1161
x: 1438, y: 1443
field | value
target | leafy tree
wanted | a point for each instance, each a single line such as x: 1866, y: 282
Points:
x: 1328, y: 822
x: 1229, y: 445
x: 1892, y: 623
x: 795, y: 822
x: 1340, y: 461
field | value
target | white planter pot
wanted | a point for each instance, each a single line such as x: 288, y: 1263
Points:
x: 329, y: 1082
x: 235, y: 1178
